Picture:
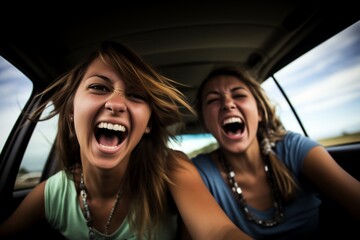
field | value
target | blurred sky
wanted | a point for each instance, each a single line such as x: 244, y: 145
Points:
x: 324, y: 87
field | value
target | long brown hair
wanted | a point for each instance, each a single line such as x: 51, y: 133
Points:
x: 270, y: 129
x: 151, y: 159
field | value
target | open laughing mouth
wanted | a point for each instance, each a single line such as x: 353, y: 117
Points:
x: 110, y: 135
x: 233, y: 126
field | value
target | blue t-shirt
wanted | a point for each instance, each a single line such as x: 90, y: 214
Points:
x: 63, y: 212
x: 301, y: 216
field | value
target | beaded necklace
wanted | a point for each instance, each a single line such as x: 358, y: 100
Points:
x: 87, y: 212
x: 241, y: 200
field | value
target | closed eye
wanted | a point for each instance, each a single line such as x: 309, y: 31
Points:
x: 137, y: 97
x: 239, y: 92
x: 239, y: 95
x: 211, y: 98
x: 209, y: 101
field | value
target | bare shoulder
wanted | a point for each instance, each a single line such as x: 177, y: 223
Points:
x: 40, y: 189
x: 184, y: 171
x: 180, y: 155
x: 183, y: 161
x: 36, y: 197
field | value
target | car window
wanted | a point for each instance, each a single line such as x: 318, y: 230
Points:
x: 37, y: 152
x: 323, y: 86
x: 15, y: 91
x: 193, y: 144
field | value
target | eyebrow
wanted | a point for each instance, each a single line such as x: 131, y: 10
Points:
x: 237, y: 88
x: 103, y: 78
x: 106, y: 79
x: 231, y: 90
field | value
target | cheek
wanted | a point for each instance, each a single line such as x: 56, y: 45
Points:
x: 210, y: 116
x: 84, y: 103
x: 79, y: 119
x: 84, y: 109
x: 79, y: 107
x: 141, y: 115
x: 253, y: 111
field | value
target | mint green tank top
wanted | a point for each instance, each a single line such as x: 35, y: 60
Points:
x: 63, y: 212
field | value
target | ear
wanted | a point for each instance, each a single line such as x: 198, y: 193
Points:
x: 260, y: 115
x: 148, y: 127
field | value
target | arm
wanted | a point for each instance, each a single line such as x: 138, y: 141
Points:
x: 333, y: 180
x: 183, y: 233
x: 30, y: 211
x: 200, y: 212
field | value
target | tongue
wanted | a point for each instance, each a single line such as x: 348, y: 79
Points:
x: 233, y: 133
x: 106, y: 140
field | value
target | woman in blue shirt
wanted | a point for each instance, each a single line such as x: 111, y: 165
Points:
x: 263, y: 176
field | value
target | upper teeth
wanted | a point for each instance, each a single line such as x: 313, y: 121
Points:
x: 232, y: 120
x: 110, y: 126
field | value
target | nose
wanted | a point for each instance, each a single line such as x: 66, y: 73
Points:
x: 228, y: 103
x: 116, y: 103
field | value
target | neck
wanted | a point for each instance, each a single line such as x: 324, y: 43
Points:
x: 88, y: 213
x: 248, y: 161
x: 236, y: 188
x: 102, y: 184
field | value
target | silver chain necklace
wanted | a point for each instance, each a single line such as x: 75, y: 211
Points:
x: 241, y: 199
x: 87, y: 212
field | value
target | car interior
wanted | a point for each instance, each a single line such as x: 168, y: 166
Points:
x: 184, y: 41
